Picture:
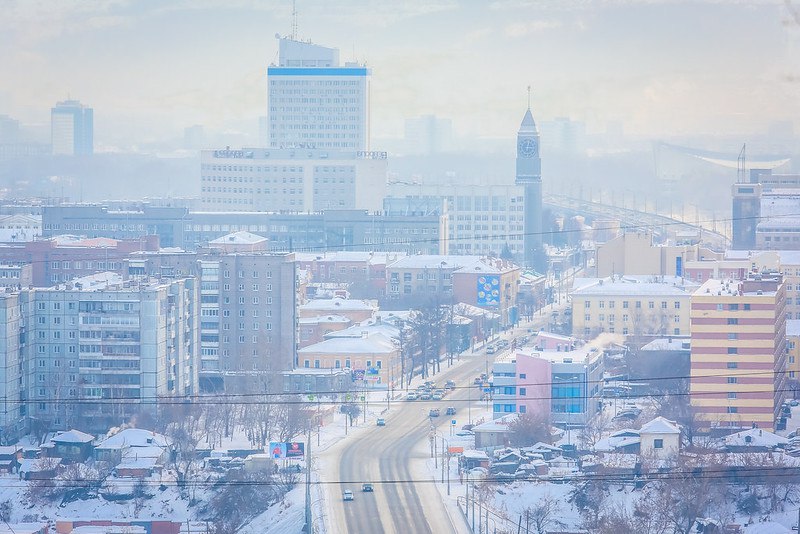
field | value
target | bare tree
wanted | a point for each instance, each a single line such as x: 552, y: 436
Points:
x: 543, y: 515
x: 528, y: 429
x: 291, y: 417
x: 594, y: 430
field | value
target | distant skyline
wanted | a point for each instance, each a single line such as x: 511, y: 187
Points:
x: 660, y: 68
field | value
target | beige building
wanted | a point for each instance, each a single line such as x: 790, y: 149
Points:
x: 631, y: 306
x: 635, y: 254
x: 738, y: 358
x: 373, y: 357
x: 738, y: 263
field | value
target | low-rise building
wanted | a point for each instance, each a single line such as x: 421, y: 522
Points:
x: 660, y: 439
x: 640, y: 307
x: 563, y: 386
x: 373, y: 358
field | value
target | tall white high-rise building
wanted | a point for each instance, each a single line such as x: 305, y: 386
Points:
x: 72, y: 129
x: 313, y: 102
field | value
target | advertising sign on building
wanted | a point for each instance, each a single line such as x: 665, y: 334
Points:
x: 489, y: 290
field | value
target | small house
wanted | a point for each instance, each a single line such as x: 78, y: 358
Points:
x: 754, y: 440
x: 660, y: 438
x: 10, y: 456
x: 71, y: 446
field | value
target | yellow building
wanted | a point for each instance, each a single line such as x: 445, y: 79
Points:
x: 634, y: 253
x: 738, y: 358
x: 631, y: 306
x: 374, y: 358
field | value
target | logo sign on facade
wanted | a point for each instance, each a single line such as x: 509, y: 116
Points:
x: 371, y: 154
x: 489, y: 290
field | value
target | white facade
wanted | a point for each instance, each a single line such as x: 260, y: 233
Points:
x: 257, y: 179
x: 481, y: 219
x: 314, y: 102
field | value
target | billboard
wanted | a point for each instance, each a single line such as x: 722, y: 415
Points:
x: 489, y: 290
x: 279, y: 450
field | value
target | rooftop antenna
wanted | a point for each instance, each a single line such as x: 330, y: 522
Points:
x: 741, y: 165
x: 529, y: 97
x: 294, y: 20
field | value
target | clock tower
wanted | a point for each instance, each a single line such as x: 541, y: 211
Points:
x: 529, y: 175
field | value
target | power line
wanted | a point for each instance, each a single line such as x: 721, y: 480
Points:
x: 217, y: 399
x: 697, y: 473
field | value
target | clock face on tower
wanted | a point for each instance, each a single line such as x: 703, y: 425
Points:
x: 528, y: 148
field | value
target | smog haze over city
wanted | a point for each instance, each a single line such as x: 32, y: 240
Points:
x: 452, y: 266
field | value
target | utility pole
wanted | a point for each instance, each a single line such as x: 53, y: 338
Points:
x: 309, y: 526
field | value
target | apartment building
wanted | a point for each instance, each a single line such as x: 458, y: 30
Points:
x: 738, y: 358
x: 12, y: 371
x: 99, y: 350
x: 248, y: 315
x: 640, y: 306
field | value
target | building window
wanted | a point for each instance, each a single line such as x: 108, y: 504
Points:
x: 733, y: 409
x: 733, y: 365
x: 587, y: 304
x: 733, y: 320
x: 732, y: 395
x: 733, y: 350
x: 677, y: 305
x: 523, y: 408
x: 732, y: 335
x: 732, y: 380
x: 658, y: 443
x: 523, y: 392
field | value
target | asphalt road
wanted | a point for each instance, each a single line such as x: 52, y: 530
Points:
x: 393, y: 458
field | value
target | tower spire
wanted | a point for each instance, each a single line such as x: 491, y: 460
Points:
x: 529, y: 97
x: 294, y: 20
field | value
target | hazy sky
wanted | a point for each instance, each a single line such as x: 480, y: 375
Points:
x: 150, y: 68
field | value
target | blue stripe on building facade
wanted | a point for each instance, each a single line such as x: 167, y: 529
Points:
x: 292, y: 71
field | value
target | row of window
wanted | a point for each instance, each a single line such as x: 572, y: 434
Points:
x: 638, y: 304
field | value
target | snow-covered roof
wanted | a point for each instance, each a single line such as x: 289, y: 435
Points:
x: 475, y: 455
x: 660, y: 425
x: 621, y: 438
x: 142, y: 462
x: 386, y: 330
x: 319, y: 319
x: 668, y: 343
x: 372, y: 344
x: 758, y: 437
x: 9, y: 449
x: 133, y: 437
x: 238, y: 238
x: 498, y: 425
x: 337, y: 304
x: 73, y: 436
x: 462, y: 264
x: 632, y: 286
